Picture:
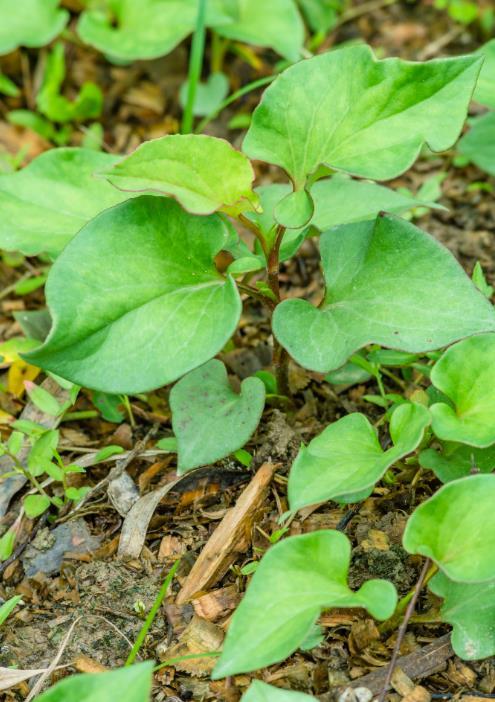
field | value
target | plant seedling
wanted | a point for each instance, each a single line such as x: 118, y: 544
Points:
x: 346, y: 459
x: 56, y: 107
x: 139, y: 300
x: 295, y: 580
x: 153, y: 324
x: 8, y: 607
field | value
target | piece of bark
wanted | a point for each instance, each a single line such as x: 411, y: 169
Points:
x: 417, y: 665
x: 217, y: 604
x: 229, y: 538
x: 11, y: 486
x: 85, y: 664
x: 170, y: 547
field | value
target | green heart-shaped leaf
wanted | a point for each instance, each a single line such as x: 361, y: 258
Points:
x: 466, y: 375
x: 295, y: 210
x: 127, y: 30
x: 131, y: 684
x: 341, y: 200
x: 470, y: 609
x: 365, y: 266
x: 46, y: 203
x: 294, y: 581
x: 184, y: 166
x: 261, y: 692
x: 456, y: 529
x: 209, y: 95
x: 133, y: 297
x: 322, y: 15
x: 485, y: 87
x: 347, y: 457
x: 346, y: 110
x: 209, y: 419
x: 453, y: 461
x: 30, y: 23
x: 478, y: 145
x: 275, y: 24
x: 337, y: 200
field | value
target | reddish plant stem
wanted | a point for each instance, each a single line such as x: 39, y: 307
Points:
x: 272, y: 256
x: 254, y: 230
x: 403, y: 628
x: 280, y: 355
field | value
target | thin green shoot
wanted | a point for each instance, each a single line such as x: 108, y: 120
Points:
x: 152, y: 614
x: 195, y: 65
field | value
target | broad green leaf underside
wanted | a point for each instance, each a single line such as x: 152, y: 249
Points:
x: 202, y: 173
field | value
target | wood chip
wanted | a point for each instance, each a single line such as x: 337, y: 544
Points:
x: 170, y: 547
x: 363, y: 633
x: 229, y: 538
x: 85, y: 664
x: 418, y: 694
x: 217, y: 604
x: 401, y: 682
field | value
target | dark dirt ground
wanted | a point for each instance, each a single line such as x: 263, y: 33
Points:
x: 109, y: 595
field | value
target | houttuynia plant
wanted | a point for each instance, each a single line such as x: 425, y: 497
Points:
x: 136, y: 299
x: 137, y: 302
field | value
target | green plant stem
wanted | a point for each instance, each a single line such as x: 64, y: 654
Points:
x: 128, y: 408
x: 257, y: 233
x: 83, y: 414
x: 249, y: 87
x: 152, y: 614
x: 218, y: 49
x: 195, y: 66
x: 280, y: 355
x: 256, y: 294
x: 30, y: 478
